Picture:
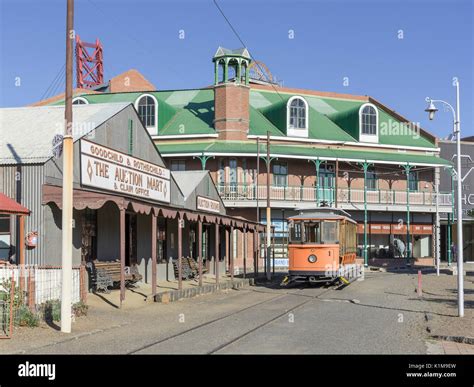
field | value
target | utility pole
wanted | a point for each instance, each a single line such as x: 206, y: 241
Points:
x: 256, y: 180
x: 269, y: 211
x: 67, y: 199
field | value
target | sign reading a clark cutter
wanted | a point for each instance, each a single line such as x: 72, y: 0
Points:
x: 206, y: 204
x: 108, y: 169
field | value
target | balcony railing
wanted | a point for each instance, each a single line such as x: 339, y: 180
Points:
x: 239, y: 192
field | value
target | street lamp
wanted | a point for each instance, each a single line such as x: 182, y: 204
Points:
x: 431, y: 110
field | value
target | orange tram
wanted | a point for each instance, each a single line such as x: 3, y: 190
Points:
x: 322, y: 247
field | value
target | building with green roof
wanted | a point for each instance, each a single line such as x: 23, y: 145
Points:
x: 341, y: 150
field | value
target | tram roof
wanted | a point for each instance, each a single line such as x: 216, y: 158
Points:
x: 323, y: 213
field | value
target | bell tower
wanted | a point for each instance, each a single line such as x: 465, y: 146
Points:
x: 231, y: 93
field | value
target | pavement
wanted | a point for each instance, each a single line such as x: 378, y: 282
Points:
x: 381, y: 314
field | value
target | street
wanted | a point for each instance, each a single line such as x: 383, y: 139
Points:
x: 378, y: 315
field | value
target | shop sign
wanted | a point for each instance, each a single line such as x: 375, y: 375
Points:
x: 209, y: 205
x: 108, y: 169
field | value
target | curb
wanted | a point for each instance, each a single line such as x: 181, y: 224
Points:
x: 176, y: 295
x: 456, y: 339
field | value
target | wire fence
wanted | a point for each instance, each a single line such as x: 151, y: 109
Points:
x: 29, y: 294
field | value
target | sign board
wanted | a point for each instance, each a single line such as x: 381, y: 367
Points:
x: 209, y: 205
x: 117, y: 172
x: 57, y: 144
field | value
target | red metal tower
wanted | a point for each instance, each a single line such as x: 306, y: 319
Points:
x: 89, y: 64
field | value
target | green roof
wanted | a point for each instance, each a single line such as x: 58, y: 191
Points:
x: 297, y: 151
x: 191, y: 112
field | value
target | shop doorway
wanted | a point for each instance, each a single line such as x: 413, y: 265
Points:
x: 205, y: 245
x: 130, y: 239
x: 89, y: 236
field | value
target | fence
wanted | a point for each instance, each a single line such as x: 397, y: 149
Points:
x: 24, y: 289
x: 238, y: 192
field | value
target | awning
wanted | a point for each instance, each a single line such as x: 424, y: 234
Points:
x: 249, y: 149
x: 9, y: 206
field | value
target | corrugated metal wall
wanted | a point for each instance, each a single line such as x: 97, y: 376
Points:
x: 23, y: 183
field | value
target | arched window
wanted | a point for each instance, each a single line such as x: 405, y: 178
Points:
x: 147, y: 108
x: 297, y: 114
x: 79, y: 101
x: 368, y: 120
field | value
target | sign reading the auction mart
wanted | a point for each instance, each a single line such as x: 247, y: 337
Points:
x: 114, y: 171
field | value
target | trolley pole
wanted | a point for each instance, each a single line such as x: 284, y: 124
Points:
x: 269, y: 212
x: 67, y: 199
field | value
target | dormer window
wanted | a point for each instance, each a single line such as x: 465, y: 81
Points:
x: 368, y: 123
x: 147, y: 108
x: 79, y: 101
x: 297, y: 117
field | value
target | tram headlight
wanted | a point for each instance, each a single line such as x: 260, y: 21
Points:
x: 312, y: 258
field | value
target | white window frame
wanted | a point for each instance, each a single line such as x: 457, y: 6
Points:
x: 86, y: 102
x: 293, y: 132
x: 374, y: 138
x: 153, y: 130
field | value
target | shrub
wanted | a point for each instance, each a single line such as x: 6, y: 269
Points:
x: 25, y: 318
x: 80, y: 309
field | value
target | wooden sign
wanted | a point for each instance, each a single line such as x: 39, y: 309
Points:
x: 208, y: 205
x: 114, y: 171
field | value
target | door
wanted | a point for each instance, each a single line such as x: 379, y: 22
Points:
x: 130, y: 239
x: 89, y: 236
x: 326, y: 184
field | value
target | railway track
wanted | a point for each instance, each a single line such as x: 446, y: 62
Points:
x: 308, y: 299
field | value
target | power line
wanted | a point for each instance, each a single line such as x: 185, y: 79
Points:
x: 53, y: 82
x: 243, y: 44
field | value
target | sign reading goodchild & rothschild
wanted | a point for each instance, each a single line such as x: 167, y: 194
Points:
x: 114, y: 171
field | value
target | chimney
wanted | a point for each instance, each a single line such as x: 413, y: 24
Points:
x: 231, y: 93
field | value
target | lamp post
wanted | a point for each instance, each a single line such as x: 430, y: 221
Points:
x: 431, y: 110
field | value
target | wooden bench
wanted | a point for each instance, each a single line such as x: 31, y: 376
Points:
x: 105, y: 274
x: 189, y: 268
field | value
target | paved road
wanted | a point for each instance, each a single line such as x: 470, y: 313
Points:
x: 377, y: 315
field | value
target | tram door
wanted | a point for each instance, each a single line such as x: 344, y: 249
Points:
x: 130, y: 239
x: 326, y: 184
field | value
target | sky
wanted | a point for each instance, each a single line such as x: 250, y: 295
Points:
x: 398, y: 52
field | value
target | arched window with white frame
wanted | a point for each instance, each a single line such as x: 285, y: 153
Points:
x: 147, y: 108
x: 368, y: 123
x: 80, y: 101
x: 297, y: 117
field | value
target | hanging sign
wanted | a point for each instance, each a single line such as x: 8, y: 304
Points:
x: 114, y: 171
x: 31, y: 239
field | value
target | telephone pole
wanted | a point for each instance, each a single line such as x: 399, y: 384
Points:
x: 67, y: 199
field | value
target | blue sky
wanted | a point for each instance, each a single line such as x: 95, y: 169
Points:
x: 332, y: 40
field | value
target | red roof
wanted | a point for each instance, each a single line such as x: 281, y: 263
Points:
x: 9, y: 206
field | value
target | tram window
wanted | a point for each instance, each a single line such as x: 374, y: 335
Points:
x: 329, y: 232
x: 312, y: 233
x: 295, y: 233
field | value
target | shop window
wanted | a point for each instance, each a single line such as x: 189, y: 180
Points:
x: 4, y: 237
